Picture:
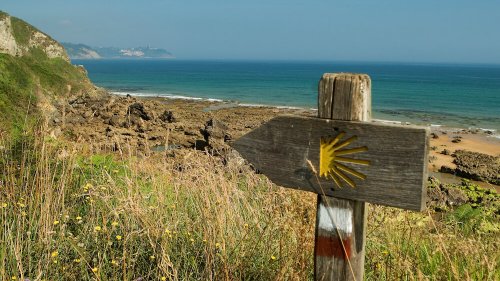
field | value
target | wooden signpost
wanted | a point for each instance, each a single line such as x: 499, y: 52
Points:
x: 347, y: 161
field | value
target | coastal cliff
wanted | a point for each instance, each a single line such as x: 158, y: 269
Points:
x: 35, y: 72
x: 19, y: 38
x: 82, y: 51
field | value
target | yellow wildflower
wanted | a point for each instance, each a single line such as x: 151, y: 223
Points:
x: 113, y: 262
x: 97, y: 228
x: 167, y: 231
x: 152, y: 257
x: 4, y: 205
x: 217, y: 245
x: 77, y: 260
x: 246, y: 225
x: 78, y: 218
x: 21, y: 204
x: 14, y: 278
x: 192, y: 240
x: 87, y: 186
x: 56, y: 222
x: 273, y: 258
x: 94, y: 269
x: 118, y: 237
x: 114, y: 223
x: 163, y: 278
x: 54, y: 254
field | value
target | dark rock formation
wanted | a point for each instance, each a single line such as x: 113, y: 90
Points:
x: 137, y: 109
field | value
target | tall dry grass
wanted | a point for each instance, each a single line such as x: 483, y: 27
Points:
x: 68, y: 213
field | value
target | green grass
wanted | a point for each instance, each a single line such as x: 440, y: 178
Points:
x: 22, y: 77
x: 68, y: 214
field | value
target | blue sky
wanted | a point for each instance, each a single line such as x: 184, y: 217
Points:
x: 451, y: 31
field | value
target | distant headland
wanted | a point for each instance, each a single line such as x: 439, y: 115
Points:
x: 82, y: 51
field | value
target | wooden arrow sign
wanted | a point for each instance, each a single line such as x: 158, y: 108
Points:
x: 377, y: 163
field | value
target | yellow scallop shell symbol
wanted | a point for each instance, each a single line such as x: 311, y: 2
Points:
x: 331, y: 157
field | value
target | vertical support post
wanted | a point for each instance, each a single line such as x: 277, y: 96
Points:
x: 339, y: 251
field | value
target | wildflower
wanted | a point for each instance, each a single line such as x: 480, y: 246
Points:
x: 118, y: 237
x: 56, y: 222
x: 97, y: 228
x: 14, y: 278
x: 246, y: 225
x: 273, y: 257
x: 167, y: 231
x: 152, y: 257
x: 77, y: 260
x: 192, y: 240
x: 78, y: 218
x: 385, y: 252
x: 21, y: 205
x: 114, y: 224
x: 4, y: 205
x: 54, y: 254
x: 163, y: 278
x: 113, y: 262
x: 94, y: 269
x: 204, y: 240
x: 87, y: 187
x: 54, y: 261
x: 217, y: 245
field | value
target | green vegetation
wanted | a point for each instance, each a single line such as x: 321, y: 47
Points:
x: 24, y: 79
x: 22, y: 31
x: 69, y: 213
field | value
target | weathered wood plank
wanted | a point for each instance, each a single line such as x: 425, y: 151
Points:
x: 339, y: 250
x: 396, y: 175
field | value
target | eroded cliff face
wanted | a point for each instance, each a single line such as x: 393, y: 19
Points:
x: 18, y: 38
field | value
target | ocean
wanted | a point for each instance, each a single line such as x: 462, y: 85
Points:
x: 461, y: 96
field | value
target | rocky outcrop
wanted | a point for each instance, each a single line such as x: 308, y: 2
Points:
x: 18, y: 38
x: 8, y: 44
x: 477, y: 166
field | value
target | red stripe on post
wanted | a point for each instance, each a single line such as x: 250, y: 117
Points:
x: 332, y: 247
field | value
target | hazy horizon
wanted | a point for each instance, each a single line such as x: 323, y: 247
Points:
x: 445, y: 32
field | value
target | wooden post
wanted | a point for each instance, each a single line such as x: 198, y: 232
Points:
x: 341, y: 155
x: 340, y: 223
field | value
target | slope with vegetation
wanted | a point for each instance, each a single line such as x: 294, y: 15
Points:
x: 34, y: 72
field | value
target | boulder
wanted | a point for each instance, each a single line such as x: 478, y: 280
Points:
x: 137, y: 109
x: 215, y: 133
x: 167, y: 116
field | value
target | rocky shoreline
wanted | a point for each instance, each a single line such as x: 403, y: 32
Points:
x: 140, y: 125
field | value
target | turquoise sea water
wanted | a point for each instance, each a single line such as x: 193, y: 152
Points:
x: 461, y: 96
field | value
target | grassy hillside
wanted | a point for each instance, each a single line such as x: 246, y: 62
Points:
x: 23, y: 79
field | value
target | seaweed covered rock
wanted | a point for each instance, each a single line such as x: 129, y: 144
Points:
x: 477, y: 166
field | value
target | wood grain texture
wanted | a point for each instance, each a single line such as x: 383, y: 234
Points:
x: 356, y: 102
x: 396, y: 176
x: 349, y: 265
